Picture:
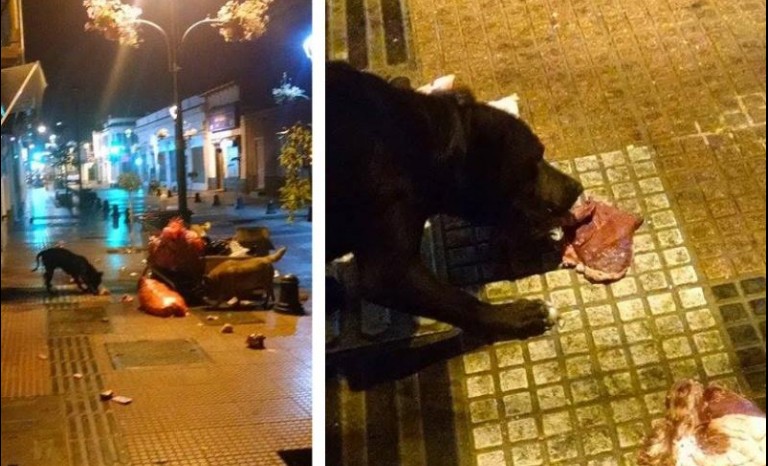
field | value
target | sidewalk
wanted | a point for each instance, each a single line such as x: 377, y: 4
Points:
x: 656, y: 106
x: 199, y: 396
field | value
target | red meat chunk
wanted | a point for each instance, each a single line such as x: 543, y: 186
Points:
x: 599, y: 243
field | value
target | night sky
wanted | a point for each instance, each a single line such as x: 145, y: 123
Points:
x: 123, y: 81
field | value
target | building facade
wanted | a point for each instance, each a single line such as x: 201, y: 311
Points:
x: 23, y: 85
x: 156, y: 147
x: 229, y: 146
x: 113, y: 151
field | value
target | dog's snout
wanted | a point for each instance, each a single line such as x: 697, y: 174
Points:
x: 557, y: 189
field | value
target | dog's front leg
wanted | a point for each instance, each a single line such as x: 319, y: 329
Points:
x: 412, y: 288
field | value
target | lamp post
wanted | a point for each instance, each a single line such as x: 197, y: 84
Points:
x: 173, y: 42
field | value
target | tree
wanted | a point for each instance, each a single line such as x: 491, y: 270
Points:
x: 130, y: 182
x: 296, y: 160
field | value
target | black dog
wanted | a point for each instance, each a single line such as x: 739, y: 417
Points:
x: 397, y: 157
x: 85, y: 275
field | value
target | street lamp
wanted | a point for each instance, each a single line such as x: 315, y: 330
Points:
x: 237, y: 20
x: 173, y: 43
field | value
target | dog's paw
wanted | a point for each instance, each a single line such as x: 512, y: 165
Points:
x: 520, y: 319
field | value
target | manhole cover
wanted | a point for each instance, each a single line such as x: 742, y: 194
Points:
x: 218, y: 318
x: 75, y: 320
x: 154, y: 353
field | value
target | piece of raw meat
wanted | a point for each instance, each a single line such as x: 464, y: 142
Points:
x: 599, y: 242
x: 706, y: 427
x: 157, y: 299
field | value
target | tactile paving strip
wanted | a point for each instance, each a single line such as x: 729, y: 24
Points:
x: 91, y: 426
x: 587, y: 393
x: 741, y: 306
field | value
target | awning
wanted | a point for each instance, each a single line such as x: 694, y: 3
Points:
x: 22, y: 88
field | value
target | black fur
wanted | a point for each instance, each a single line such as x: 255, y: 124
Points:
x: 85, y: 275
x: 396, y: 158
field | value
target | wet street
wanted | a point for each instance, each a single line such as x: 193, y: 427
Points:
x: 199, y: 396
x: 656, y: 106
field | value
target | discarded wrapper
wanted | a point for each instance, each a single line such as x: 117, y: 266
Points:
x: 123, y: 400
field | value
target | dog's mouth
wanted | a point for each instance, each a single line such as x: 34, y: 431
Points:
x: 562, y: 223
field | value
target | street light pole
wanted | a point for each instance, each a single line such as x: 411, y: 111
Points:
x: 181, y: 160
x: 173, y: 43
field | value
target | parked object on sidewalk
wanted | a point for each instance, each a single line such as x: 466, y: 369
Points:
x: 123, y: 400
x: 106, y: 395
x: 242, y: 278
x: 227, y: 328
x: 157, y: 299
x: 709, y: 426
x: 84, y: 274
x: 255, y: 341
x: 599, y: 245
x: 271, y: 207
x: 289, y: 301
x: 216, y: 200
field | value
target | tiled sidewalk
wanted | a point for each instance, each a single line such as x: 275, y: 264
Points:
x: 200, y: 397
x: 659, y: 106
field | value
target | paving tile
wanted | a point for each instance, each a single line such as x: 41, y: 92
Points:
x: 518, y: 404
x: 574, y: 343
x: 492, y: 458
x: 597, y: 441
x: 700, y: 319
x: 631, y: 309
x: 618, y: 384
x: 477, y: 362
x: 758, y: 306
x: 483, y: 384
x: 542, y: 349
x: 662, y: 303
x: 510, y: 355
x: 743, y: 335
x: 708, y: 342
x: 717, y: 364
x: 487, y: 436
x: 753, y: 286
x: 483, y: 410
x: 556, y: 423
x: 600, y: 315
x: 631, y: 435
x: 522, y: 429
x: 733, y: 312
x: 528, y: 454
